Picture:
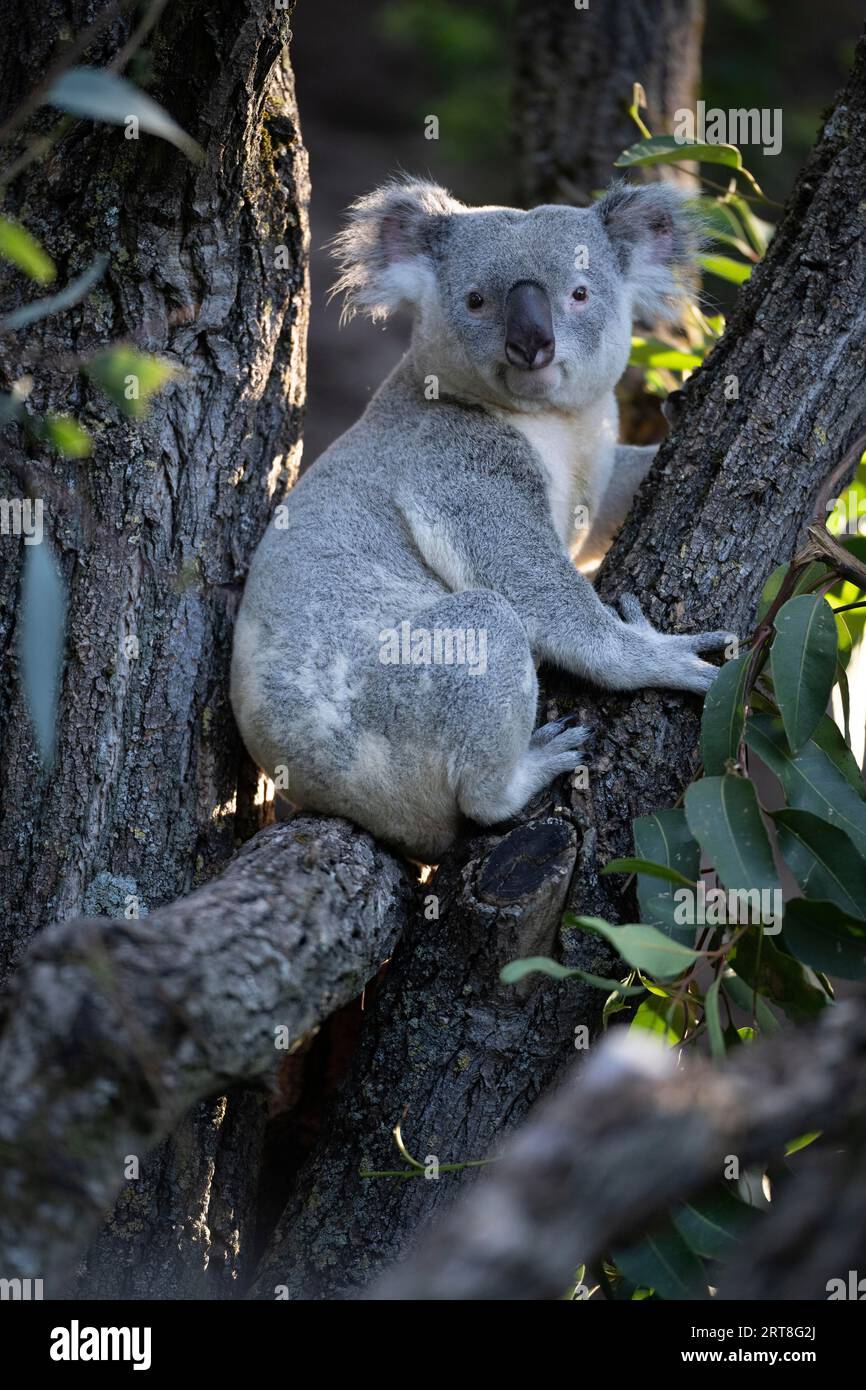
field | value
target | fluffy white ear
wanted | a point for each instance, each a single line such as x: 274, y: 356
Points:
x: 656, y: 236
x: 385, y: 252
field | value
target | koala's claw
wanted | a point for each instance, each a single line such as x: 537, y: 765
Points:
x: 710, y: 641
x: 632, y: 612
x: 546, y: 733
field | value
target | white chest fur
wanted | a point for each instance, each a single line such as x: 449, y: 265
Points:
x: 576, y: 455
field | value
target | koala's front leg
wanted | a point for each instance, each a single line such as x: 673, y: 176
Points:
x: 630, y: 466
x: 522, y: 558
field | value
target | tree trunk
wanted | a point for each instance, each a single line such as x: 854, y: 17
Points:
x: 448, y: 1051
x: 575, y: 71
x: 150, y: 788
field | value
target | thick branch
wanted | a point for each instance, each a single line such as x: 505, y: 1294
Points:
x: 114, y: 1027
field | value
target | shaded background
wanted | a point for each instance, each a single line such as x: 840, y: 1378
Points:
x: 368, y: 75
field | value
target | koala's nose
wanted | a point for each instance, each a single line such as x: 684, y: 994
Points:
x: 529, y: 340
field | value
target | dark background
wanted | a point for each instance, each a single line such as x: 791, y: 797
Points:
x: 368, y: 75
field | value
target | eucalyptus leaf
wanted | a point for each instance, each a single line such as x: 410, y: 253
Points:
x: 664, y: 838
x: 803, y: 659
x: 725, y: 818
x: 726, y: 268
x: 641, y: 946
x: 826, y: 938
x: 822, y: 859
x: 72, y: 294
x: 21, y: 249
x: 664, y: 1018
x: 103, y: 96
x: 779, y: 976
x: 664, y: 1261
x: 712, y: 1014
x: 724, y: 716
x: 716, y: 1224
x: 745, y: 998
x: 811, y: 780
x: 644, y: 866
x: 42, y: 635
x: 543, y: 965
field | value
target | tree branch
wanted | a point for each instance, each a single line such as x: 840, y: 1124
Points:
x: 115, y: 1027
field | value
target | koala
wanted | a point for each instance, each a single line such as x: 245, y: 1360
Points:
x: 384, y: 663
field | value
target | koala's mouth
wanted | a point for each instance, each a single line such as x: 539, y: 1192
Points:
x: 530, y: 384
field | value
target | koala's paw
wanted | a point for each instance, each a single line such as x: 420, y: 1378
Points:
x: 678, y: 665
x: 568, y: 731
x: 557, y: 746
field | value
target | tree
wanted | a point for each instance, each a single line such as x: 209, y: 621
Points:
x: 150, y: 788
x: 445, y: 1047
x: 575, y: 70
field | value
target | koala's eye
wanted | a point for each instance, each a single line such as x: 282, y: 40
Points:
x: 474, y: 300
x: 580, y: 294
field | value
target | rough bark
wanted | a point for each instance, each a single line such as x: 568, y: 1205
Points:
x: 150, y: 788
x: 114, y: 1028
x: 627, y: 1136
x: 575, y: 71
x: 445, y: 1047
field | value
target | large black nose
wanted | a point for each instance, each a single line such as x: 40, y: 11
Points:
x: 529, y: 340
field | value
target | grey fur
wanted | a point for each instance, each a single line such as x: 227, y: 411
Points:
x: 449, y: 507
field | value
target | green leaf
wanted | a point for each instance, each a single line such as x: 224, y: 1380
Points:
x: 726, y: 268
x: 67, y: 436
x: 724, y: 715
x: 130, y: 378
x: 830, y: 738
x: 664, y: 838
x: 652, y: 352
x: 810, y: 576
x: 802, y: 1142
x: 41, y: 640
x: 641, y: 946
x: 804, y: 664
x: 811, y: 781
x: 103, y: 96
x: 823, y: 860
x: 665, y: 1262
x: 745, y: 998
x: 72, y: 294
x: 780, y: 977
x: 23, y: 250
x: 724, y: 815
x: 714, y: 1021
x: 720, y: 221
x: 713, y: 1226
x: 543, y: 965
x: 668, y: 149
x: 823, y: 936
x: 644, y: 866
x: 757, y: 230
x: 665, y: 1018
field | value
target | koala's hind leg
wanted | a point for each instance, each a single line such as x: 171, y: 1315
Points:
x: 483, y: 716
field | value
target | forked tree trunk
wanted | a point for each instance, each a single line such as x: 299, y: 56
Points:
x: 151, y: 789
x: 448, y: 1051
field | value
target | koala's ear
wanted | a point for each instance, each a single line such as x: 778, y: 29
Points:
x: 656, y: 235
x: 385, y: 252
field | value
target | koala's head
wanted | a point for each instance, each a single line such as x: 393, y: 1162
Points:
x: 522, y: 309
